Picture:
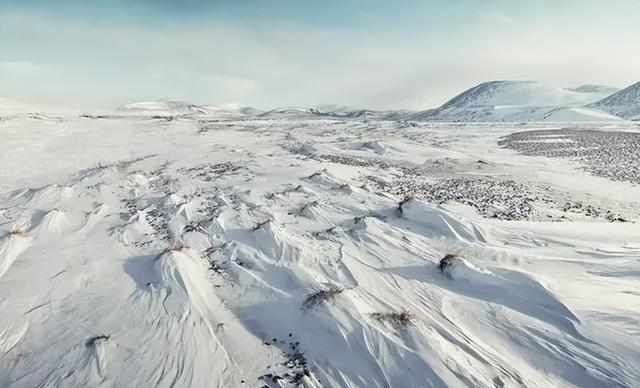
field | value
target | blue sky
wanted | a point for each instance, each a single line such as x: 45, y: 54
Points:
x: 380, y: 54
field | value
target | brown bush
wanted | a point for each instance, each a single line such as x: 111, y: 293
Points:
x: 320, y: 297
x: 402, y: 319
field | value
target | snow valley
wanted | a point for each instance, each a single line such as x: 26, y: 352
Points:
x: 490, y: 242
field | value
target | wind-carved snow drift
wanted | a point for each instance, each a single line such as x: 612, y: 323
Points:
x: 186, y: 249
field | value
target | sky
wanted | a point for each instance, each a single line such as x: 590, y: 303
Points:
x: 401, y: 54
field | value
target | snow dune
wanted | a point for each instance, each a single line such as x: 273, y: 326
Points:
x: 265, y: 253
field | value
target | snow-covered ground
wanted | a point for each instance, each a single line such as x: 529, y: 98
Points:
x: 196, y: 249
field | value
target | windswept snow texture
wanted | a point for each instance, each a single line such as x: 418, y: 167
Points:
x: 522, y: 101
x: 238, y: 250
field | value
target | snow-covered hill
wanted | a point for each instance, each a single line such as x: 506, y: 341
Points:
x: 284, y: 253
x: 521, y: 101
x: 523, y: 94
x: 625, y: 103
x: 163, y: 107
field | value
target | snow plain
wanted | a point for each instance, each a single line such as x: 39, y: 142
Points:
x: 228, y: 250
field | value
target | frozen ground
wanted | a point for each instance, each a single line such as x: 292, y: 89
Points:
x: 611, y: 154
x: 148, y: 249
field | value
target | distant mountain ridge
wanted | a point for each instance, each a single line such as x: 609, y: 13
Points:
x: 493, y: 101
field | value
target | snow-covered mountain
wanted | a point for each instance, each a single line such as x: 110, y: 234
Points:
x: 625, y: 103
x: 524, y: 94
x: 521, y: 101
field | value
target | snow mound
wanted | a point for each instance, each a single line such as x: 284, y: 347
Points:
x: 11, y: 246
x: 186, y: 278
x: 525, y: 294
x: 46, y: 195
x: 54, y: 222
x: 50, y: 194
x: 434, y: 221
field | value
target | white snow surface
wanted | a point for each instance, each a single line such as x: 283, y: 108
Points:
x: 140, y: 252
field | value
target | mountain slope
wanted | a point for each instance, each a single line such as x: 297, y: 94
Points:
x: 521, y: 101
x: 521, y: 93
x: 625, y: 103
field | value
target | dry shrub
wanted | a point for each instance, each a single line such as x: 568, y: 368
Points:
x: 320, y: 297
x: 261, y: 224
x: 402, y: 319
x: 93, y: 341
x: 18, y: 232
x: 448, y: 262
x: 175, y: 248
x: 407, y: 198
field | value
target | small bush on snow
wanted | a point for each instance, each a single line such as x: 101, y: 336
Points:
x: 18, y: 232
x: 320, y: 297
x: 402, y: 319
x: 448, y: 262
